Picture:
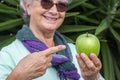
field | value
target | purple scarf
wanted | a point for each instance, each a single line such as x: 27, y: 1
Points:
x: 61, y: 61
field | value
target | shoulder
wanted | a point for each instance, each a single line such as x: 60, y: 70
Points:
x: 15, y: 46
x: 14, y: 51
x: 7, y: 59
x: 12, y: 45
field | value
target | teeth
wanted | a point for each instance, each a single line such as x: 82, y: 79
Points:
x: 49, y: 18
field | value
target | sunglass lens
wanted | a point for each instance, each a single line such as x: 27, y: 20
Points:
x: 47, y: 4
x: 61, y: 7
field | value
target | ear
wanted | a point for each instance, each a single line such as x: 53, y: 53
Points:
x: 27, y: 7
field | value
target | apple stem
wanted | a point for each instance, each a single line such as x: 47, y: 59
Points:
x: 87, y: 34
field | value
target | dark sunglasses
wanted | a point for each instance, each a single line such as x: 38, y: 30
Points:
x: 61, y: 6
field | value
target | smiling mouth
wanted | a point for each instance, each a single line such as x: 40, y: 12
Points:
x: 50, y: 19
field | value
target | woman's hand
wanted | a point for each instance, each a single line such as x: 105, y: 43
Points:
x: 34, y: 65
x: 90, y: 66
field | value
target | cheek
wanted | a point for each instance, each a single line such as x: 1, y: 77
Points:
x: 62, y: 16
x: 37, y: 14
x: 60, y: 21
x: 38, y: 11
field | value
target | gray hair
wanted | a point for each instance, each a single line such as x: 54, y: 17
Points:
x: 25, y: 15
x: 23, y: 10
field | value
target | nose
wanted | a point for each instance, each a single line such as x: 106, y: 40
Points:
x: 53, y: 9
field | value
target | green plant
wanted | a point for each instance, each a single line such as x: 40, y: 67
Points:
x: 10, y: 21
x: 99, y: 17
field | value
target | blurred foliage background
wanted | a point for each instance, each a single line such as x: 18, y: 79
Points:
x: 99, y: 17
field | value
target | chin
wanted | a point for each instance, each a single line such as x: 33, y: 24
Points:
x: 51, y: 27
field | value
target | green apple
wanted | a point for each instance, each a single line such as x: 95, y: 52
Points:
x: 87, y: 43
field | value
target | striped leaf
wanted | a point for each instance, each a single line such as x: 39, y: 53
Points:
x: 10, y: 24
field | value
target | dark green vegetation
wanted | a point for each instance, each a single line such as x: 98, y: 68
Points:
x: 99, y: 17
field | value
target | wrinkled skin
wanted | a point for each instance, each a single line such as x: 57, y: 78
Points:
x: 34, y: 65
x: 90, y: 66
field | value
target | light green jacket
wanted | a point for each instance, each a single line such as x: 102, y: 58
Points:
x: 13, y: 53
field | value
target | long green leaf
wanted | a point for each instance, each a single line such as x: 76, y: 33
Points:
x: 88, y: 5
x: 117, y: 19
x: 101, y: 3
x: 10, y: 24
x: 76, y: 3
x: 115, y: 34
x: 116, y: 24
x: 6, y: 42
x: 5, y: 17
x: 107, y: 62
x: 8, y: 12
x: 118, y: 46
x: 6, y: 7
x: 12, y: 2
x: 75, y: 28
x: 93, y: 11
x: 117, y: 70
x: 71, y: 14
x: 85, y: 18
x: 102, y: 26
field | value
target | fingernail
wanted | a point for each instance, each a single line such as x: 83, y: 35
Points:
x: 63, y: 46
x: 92, y: 55
x: 83, y: 54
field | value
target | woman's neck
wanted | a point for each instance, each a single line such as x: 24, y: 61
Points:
x: 46, y: 37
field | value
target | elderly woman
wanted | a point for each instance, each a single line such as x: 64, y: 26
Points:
x: 40, y: 52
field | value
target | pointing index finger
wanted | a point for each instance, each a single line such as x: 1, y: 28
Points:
x: 53, y: 50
